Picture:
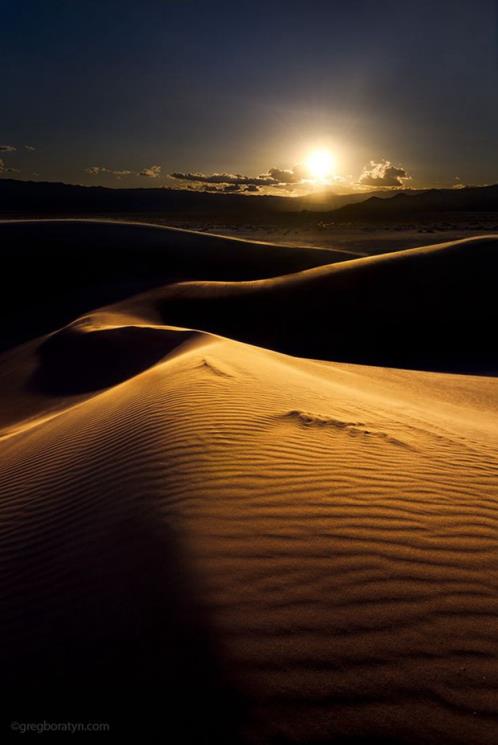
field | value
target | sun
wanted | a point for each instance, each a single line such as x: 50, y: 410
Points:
x: 320, y: 164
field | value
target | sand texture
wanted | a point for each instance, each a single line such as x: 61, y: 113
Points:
x: 252, y: 547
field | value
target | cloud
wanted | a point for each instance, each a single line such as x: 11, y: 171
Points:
x: 276, y: 177
x: 383, y: 173
x: 29, y: 147
x: 152, y: 172
x: 97, y: 170
x: 288, y: 176
x: 4, y: 169
x: 225, y: 178
x: 7, y: 148
x: 224, y: 188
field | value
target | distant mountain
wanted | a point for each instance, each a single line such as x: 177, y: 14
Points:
x: 38, y: 198
x: 44, y: 198
x: 434, y: 202
x: 325, y: 201
x: 49, y: 198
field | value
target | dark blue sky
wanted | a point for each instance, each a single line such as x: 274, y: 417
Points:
x: 241, y: 87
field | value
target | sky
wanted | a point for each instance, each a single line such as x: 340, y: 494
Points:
x: 124, y: 93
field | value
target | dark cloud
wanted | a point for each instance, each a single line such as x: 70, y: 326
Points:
x: 288, y: 176
x: 225, y: 188
x: 7, y: 148
x: 29, y: 147
x: 274, y: 177
x: 225, y: 178
x: 383, y: 174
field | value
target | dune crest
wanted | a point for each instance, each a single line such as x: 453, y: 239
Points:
x: 420, y: 308
x: 47, y: 376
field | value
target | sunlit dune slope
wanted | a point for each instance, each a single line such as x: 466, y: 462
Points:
x: 427, y: 308
x: 243, y: 545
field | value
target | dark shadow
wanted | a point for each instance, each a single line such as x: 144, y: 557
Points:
x: 433, y: 311
x: 117, y: 637
x: 53, y: 272
x: 335, y: 739
x: 75, y: 361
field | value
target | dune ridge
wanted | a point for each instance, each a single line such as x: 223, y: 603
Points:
x: 77, y: 265
x: 420, y: 308
x: 259, y: 548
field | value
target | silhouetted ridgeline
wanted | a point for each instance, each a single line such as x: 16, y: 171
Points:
x: 30, y: 197
x: 432, y: 202
x: 38, y: 199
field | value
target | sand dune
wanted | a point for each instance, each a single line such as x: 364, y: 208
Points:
x: 425, y: 308
x: 249, y: 546
x: 76, y: 266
